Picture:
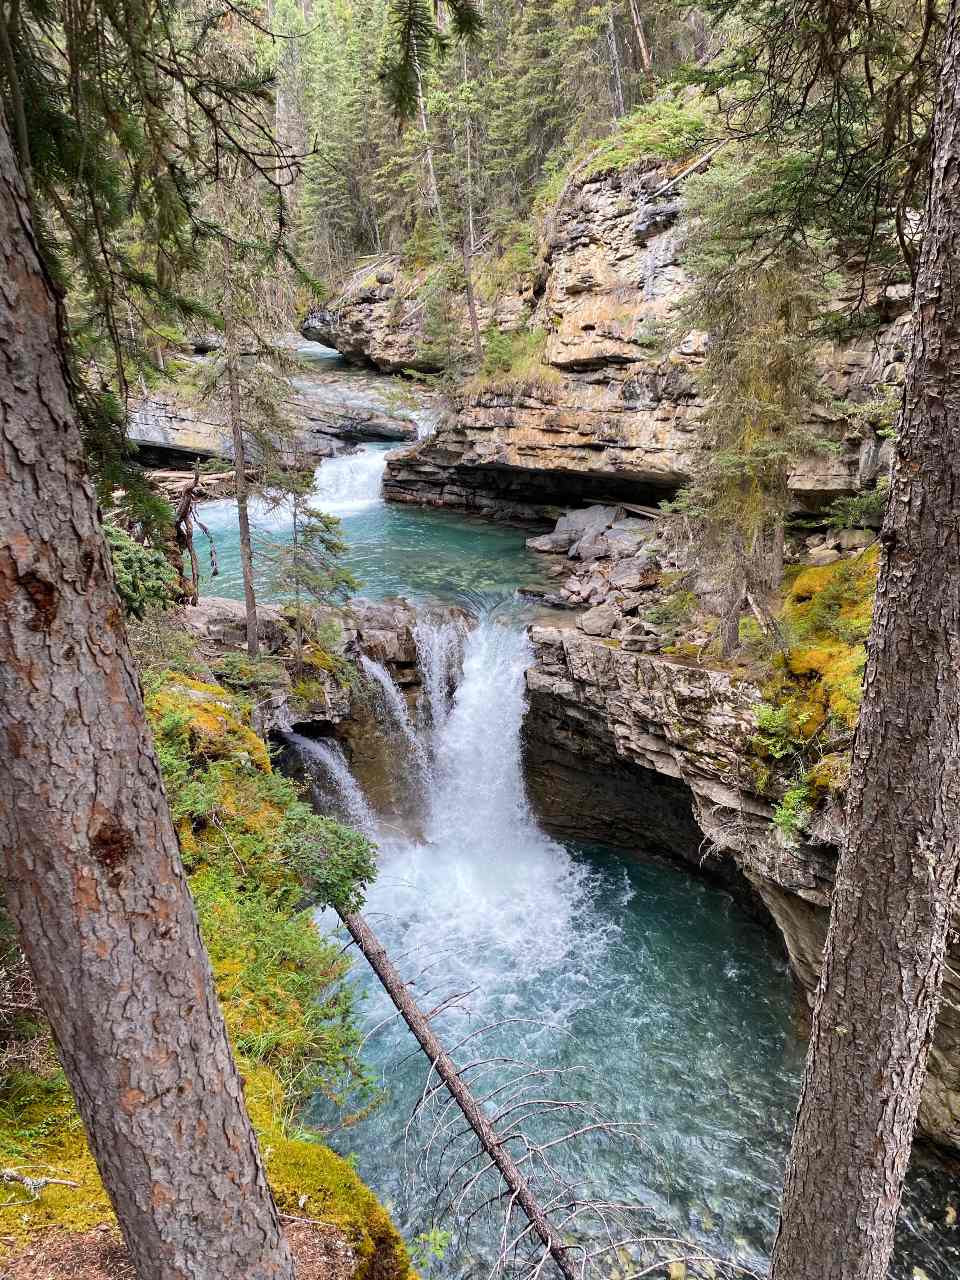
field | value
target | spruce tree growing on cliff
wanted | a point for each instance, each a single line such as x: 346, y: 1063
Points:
x: 897, y: 879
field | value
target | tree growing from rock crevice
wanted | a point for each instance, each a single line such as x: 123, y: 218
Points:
x: 758, y: 307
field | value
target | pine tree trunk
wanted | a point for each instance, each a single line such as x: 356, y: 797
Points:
x: 619, y: 104
x: 897, y: 878
x: 88, y: 854
x: 240, y: 470
x: 434, y: 189
x: 471, y: 301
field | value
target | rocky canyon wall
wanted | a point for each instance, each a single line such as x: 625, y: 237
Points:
x: 613, y: 408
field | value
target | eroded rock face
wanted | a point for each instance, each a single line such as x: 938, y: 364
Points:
x: 380, y: 321
x: 328, y: 410
x: 616, y: 741
x: 611, y: 416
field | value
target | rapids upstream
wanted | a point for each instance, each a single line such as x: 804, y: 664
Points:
x: 654, y: 997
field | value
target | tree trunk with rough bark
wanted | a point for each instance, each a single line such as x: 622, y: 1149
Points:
x: 88, y: 853
x: 896, y: 882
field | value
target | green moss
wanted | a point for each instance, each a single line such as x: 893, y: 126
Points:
x: 41, y: 1135
x: 203, y: 721
x: 827, y: 615
x: 240, y: 671
x: 310, y: 1180
x: 40, y: 1129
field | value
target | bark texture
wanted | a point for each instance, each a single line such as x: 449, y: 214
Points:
x: 883, y: 965
x: 443, y: 1064
x: 88, y: 854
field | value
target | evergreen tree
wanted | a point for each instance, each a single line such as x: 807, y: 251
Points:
x: 898, y: 874
x: 121, y: 114
x: 306, y: 569
x: 759, y: 309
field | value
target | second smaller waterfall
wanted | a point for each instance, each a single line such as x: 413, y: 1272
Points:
x: 351, y: 482
x: 331, y: 778
x: 395, y: 714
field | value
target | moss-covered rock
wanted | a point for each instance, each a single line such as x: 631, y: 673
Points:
x: 41, y: 1135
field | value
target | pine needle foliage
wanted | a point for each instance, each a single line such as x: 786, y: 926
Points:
x: 846, y: 87
x: 123, y: 112
x: 417, y: 38
x: 759, y: 378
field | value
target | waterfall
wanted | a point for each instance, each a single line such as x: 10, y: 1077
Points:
x: 486, y: 878
x: 439, y: 653
x: 351, y: 482
x: 395, y: 714
x: 330, y: 772
x: 615, y: 977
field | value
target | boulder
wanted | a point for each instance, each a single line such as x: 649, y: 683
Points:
x: 638, y: 573
x: 820, y: 556
x: 550, y: 542
x: 627, y: 537
x: 593, y: 519
x: 592, y: 546
x: 223, y: 624
x: 855, y: 539
x: 600, y: 620
x: 641, y: 637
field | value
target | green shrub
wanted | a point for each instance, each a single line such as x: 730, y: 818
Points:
x: 144, y: 577
x: 512, y: 358
x: 793, y: 811
x: 665, y: 130
x: 865, y: 508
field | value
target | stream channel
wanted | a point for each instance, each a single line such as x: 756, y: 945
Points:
x: 655, y: 997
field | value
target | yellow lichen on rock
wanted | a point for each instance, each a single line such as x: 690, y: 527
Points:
x: 215, y: 721
x: 827, y: 614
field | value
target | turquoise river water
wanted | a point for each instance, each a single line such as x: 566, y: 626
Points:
x: 657, y: 1000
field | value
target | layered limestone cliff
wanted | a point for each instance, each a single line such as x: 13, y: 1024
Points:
x: 607, y: 414
x: 657, y: 752
x: 329, y: 408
